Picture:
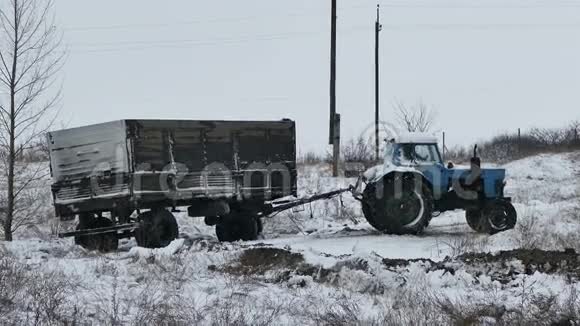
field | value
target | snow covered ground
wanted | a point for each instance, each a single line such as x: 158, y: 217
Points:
x: 322, y: 265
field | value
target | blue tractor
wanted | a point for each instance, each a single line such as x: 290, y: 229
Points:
x: 413, y: 184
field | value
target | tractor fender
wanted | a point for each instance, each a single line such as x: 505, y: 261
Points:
x: 379, y: 172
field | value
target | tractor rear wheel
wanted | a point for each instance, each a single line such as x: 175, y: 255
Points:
x: 407, y: 211
x: 157, y: 228
x: 103, y: 242
x: 496, y: 216
x: 369, y: 203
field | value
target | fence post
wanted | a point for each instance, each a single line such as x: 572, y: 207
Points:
x: 519, y: 141
x: 444, y: 147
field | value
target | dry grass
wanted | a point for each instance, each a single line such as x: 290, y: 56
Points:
x: 528, y: 231
x: 458, y: 246
x: 34, y: 298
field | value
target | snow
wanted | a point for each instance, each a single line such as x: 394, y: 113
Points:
x: 333, y: 236
x: 416, y: 137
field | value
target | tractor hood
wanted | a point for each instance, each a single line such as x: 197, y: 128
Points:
x: 493, y: 179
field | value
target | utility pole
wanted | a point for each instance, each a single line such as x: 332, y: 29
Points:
x: 378, y: 27
x: 334, y: 134
x: 444, y: 147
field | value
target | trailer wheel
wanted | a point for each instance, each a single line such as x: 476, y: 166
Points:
x: 408, y: 212
x: 235, y: 228
x: 157, y: 228
x: 102, y: 242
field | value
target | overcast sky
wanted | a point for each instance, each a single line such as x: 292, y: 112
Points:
x: 485, y: 66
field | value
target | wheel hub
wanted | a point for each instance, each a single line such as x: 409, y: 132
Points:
x: 407, y: 207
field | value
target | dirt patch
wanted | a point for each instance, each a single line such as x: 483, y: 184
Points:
x: 394, y: 263
x: 533, y: 260
x: 503, y: 266
x: 261, y: 260
x: 535, y: 257
x: 279, y: 265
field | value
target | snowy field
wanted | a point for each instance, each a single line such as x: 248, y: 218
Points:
x: 322, y: 265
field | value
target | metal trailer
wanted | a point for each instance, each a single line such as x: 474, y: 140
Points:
x: 226, y: 171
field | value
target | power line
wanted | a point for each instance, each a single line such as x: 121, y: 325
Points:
x: 123, y: 46
x: 197, y: 21
x: 483, y: 4
x: 289, y: 35
x: 391, y: 4
x: 185, y: 43
x: 162, y: 24
x: 495, y: 26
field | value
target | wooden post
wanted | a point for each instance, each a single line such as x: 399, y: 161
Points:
x: 336, y: 146
x: 519, y: 141
x: 334, y: 132
x: 332, y: 71
x: 377, y: 30
x: 444, y: 148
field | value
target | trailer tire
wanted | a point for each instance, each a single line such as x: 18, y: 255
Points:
x: 235, y: 228
x: 105, y: 242
x: 157, y: 228
x: 383, y: 210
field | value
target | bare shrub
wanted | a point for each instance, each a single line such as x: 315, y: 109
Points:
x: 49, y: 298
x: 311, y: 158
x: 568, y: 240
x: 528, y: 233
x: 512, y: 146
x: 111, y: 304
x: 531, y: 308
x: 239, y: 309
x: 157, y: 305
x: 13, y: 278
x: 35, y: 298
x: 343, y: 311
x: 466, y: 312
x: 412, y: 305
x: 359, y: 150
x: 570, y: 306
x: 339, y: 309
x: 464, y: 244
x: 416, y: 118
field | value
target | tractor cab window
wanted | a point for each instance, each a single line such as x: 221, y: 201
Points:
x: 412, y: 154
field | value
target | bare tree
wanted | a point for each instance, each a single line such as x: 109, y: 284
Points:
x: 358, y: 150
x: 417, y: 118
x: 30, y: 57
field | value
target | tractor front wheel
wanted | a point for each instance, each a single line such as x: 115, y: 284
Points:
x: 496, y: 216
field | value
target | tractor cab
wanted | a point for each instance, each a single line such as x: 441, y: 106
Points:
x: 411, y: 149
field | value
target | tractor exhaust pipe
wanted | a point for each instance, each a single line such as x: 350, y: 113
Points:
x: 475, y: 160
